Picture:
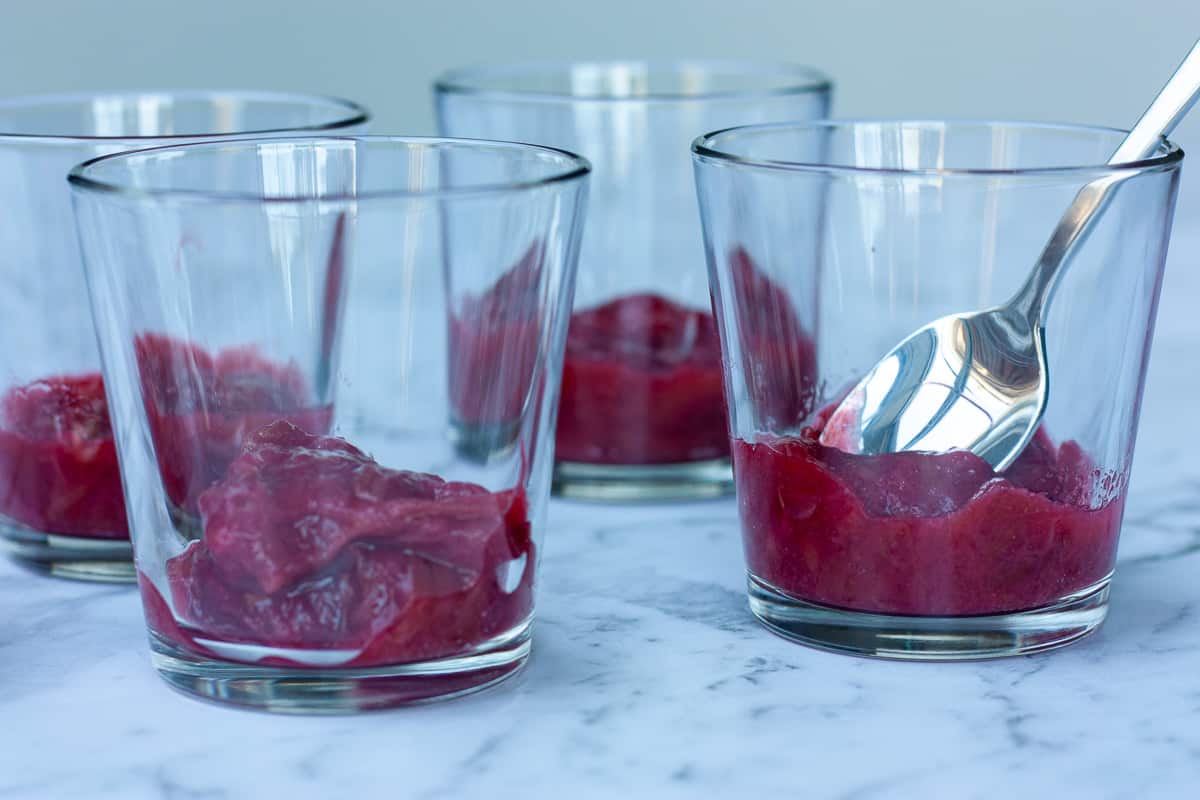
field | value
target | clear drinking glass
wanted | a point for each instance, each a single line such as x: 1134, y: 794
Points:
x: 60, y: 493
x: 828, y: 243
x: 642, y: 411
x: 333, y: 368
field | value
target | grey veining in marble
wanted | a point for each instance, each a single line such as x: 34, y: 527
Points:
x: 650, y: 678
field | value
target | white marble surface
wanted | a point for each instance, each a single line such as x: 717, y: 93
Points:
x: 650, y: 678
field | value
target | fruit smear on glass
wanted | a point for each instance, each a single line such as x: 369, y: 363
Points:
x: 203, y: 406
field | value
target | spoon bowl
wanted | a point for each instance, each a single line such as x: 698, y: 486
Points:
x: 973, y: 381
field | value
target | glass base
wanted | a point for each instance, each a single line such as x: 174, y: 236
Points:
x: 482, y: 443
x: 929, y: 638
x: 620, y: 483
x: 77, y: 557
x: 288, y: 690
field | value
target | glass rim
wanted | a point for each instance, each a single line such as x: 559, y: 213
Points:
x: 467, y: 80
x: 574, y: 167
x: 352, y: 113
x: 706, y: 148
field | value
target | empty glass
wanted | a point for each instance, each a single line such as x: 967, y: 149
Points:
x: 828, y: 243
x: 642, y: 413
x: 333, y: 368
x: 60, y: 493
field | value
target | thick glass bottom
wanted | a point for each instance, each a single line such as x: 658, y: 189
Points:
x: 930, y: 638
x: 294, y: 690
x: 482, y: 443
x: 76, y: 557
x: 622, y: 483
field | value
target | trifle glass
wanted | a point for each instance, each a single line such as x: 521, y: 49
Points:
x: 61, y: 508
x: 285, y: 325
x: 857, y: 234
x: 642, y: 413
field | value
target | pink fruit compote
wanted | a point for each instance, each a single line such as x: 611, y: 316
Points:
x: 309, y: 553
x: 58, y: 460
x: 643, y: 381
x: 922, y: 533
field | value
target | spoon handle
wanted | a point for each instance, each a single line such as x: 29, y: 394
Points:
x: 1170, y: 105
x: 1173, y: 101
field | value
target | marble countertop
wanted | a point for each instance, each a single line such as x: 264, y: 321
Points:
x: 649, y: 677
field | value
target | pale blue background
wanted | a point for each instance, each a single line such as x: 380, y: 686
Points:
x: 1092, y: 61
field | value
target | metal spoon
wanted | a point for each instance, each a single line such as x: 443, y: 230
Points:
x: 978, y: 381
